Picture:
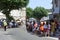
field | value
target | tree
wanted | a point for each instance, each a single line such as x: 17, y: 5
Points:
x: 7, y: 5
x: 49, y: 10
x: 29, y: 12
x: 40, y: 12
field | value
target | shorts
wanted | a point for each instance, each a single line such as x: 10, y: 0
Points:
x: 45, y: 29
x: 42, y: 30
x: 0, y: 25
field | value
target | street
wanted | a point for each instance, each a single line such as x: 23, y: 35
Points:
x: 20, y: 34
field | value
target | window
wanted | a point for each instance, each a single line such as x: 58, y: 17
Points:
x: 56, y: 3
x: 53, y: 9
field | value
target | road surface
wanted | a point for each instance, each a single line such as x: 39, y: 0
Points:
x: 20, y: 34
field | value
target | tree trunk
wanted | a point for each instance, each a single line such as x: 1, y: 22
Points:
x: 7, y: 14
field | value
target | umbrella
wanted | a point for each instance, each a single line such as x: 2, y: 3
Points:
x: 32, y: 19
x: 44, y: 18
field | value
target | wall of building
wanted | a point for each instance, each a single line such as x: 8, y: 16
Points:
x: 23, y: 14
x: 19, y: 14
x: 56, y: 9
x: 2, y: 16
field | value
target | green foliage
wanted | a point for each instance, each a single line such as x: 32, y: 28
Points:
x: 29, y: 12
x: 9, y: 18
x: 13, y: 4
x: 49, y: 10
x: 7, y: 5
x: 40, y: 12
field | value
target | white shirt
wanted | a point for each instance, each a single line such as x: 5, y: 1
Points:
x: 45, y: 26
x: 48, y: 26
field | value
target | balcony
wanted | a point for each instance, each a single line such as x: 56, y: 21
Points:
x: 56, y: 10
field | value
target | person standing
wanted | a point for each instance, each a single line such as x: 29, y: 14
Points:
x: 48, y: 31
x: 41, y: 28
x: 1, y: 23
x: 45, y: 28
x: 35, y: 27
x: 53, y: 26
x: 5, y: 25
x: 10, y: 24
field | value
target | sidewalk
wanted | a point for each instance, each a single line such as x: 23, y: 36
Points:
x: 3, y: 35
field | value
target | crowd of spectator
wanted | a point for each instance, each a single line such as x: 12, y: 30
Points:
x: 43, y: 28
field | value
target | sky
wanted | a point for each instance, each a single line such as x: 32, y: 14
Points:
x: 43, y: 3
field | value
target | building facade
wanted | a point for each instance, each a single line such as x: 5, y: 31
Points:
x: 50, y: 15
x: 2, y: 16
x: 56, y: 9
x: 19, y: 14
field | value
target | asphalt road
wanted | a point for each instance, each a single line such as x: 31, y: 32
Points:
x: 21, y: 34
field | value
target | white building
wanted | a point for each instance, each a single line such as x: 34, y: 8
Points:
x: 17, y: 14
x: 50, y: 15
x: 2, y: 16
